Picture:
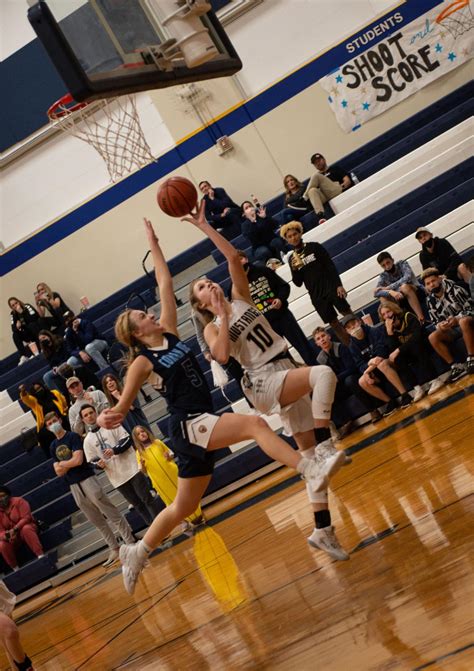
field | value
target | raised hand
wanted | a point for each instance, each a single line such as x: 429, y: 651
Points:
x: 197, y: 217
x: 109, y: 418
x: 150, y: 232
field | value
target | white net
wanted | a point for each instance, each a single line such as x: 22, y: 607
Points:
x: 458, y: 22
x: 114, y: 131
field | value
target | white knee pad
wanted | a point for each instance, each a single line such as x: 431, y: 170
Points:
x: 317, y: 497
x: 323, y: 381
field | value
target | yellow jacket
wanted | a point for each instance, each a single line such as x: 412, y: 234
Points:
x: 36, y: 408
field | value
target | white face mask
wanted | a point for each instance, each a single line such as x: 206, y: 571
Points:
x: 55, y: 427
x: 357, y: 332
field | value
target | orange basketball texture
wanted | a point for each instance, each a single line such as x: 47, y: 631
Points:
x: 177, y: 196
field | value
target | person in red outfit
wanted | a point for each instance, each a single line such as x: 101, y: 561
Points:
x: 17, y: 526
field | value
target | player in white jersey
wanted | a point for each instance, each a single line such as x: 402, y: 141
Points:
x: 272, y: 381
x: 9, y: 634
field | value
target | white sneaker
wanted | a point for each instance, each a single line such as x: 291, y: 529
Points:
x: 111, y: 559
x: 435, y: 385
x: 419, y: 393
x: 326, y: 450
x: 313, y: 473
x: 325, y: 540
x: 132, y: 564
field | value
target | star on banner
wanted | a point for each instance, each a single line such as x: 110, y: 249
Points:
x: 339, y: 79
x: 365, y: 106
x: 344, y: 103
x: 438, y: 48
x: 451, y: 56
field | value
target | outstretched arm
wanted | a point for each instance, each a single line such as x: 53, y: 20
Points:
x: 168, y: 316
x: 236, y: 271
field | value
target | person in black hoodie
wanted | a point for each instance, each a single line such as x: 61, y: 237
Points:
x: 54, y: 350
x: 369, y: 350
x: 312, y: 266
x: 26, y: 324
x: 270, y: 294
x: 439, y: 253
x: 259, y: 229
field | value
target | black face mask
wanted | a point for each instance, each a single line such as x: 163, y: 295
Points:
x: 4, y: 501
x: 437, y: 290
x: 46, y: 343
x: 428, y: 244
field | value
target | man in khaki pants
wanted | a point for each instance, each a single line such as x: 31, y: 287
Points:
x: 326, y: 183
x: 67, y: 451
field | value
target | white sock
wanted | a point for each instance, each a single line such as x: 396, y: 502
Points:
x: 143, y: 549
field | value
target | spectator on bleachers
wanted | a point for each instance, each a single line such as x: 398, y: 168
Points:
x: 296, y: 205
x: 157, y: 462
x: 408, y: 345
x: 50, y: 301
x: 84, y: 373
x: 26, y: 324
x: 325, y: 184
x: 312, y: 266
x: 17, y: 526
x: 67, y: 451
x: 111, y: 450
x: 54, y: 350
x: 398, y: 282
x: 270, y: 294
x: 95, y: 397
x: 260, y: 232
x: 470, y: 265
x: 112, y: 388
x: 84, y: 343
x: 370, y: 353
x: 452, y: 310
x: 439, y: 253
x: 338, y: 357
x: 221, y: 211
x: 42, y: 400
x: 9, y: 633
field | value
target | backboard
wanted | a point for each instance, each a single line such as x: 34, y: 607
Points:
x: 106, y: 48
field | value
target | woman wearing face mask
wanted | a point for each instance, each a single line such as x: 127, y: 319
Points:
x: 113, y: 389
x: 408, y: 345
x: 49, y: 301
x: 54, y: 350
x: 260, y: 232
x: 26, y: 324
x: 42, y: 400
x: 17, y: 526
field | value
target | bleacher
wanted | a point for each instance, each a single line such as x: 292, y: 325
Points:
x: 420, y: 173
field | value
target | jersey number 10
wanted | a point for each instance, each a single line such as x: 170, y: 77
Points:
x: 260, y: 337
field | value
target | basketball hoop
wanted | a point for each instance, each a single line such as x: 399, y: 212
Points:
x: 113, y: 130
x: 457, y: 18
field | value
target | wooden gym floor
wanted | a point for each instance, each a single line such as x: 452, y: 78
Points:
x: 247, y: 592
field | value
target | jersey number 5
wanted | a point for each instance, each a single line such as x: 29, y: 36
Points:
x: 260, y: 337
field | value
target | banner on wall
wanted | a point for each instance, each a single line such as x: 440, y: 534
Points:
x: 382, y: 75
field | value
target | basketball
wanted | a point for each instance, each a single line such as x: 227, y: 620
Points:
x: 177, y: 196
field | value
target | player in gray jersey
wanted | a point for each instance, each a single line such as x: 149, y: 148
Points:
x: 273, y: 382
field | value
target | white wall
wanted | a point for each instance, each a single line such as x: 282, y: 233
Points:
x: 63, y: 172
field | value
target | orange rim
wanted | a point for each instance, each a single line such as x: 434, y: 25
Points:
x: 451, y: 9
x: 67, y: 102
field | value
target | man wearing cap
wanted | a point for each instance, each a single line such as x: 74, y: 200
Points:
x: 452, y: 310
x: 326, y: 183
x: 312, y: 266
x: 96, y: 397
x: 439, y: 253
